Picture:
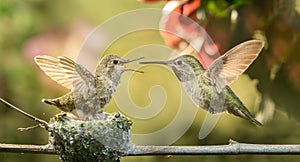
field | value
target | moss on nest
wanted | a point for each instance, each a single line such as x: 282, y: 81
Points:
x: 96, y: 140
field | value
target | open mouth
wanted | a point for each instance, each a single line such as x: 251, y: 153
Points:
x: 128, y: 61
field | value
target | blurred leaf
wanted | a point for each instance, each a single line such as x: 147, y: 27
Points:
x: 220, y: 8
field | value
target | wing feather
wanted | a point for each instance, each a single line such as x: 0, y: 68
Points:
x: 67, y: 73
x: 227, y: 68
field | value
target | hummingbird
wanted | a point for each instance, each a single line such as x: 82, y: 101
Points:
x: 208, y: 88
x: 90, y: 93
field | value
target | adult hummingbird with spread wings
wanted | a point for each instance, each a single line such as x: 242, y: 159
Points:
x: 89, y: 93
x: 208, y: 88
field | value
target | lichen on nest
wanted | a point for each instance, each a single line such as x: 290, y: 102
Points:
x: 95, y: 140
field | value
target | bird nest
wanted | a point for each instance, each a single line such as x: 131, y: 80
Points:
x: 95, y: 140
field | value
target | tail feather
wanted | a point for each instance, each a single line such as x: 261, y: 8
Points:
x: 246, y: 115
x: 251, y: 118
x: 239, y: 109
x: 49, y: 101
x: 64, y: 103
x: 256, y: 122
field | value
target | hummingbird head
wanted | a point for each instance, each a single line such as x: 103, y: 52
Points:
x: 113, y: 66
x: 185, y: 67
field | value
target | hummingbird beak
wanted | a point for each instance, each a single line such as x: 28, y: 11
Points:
x: 138, y: 71
x: 128, y: 61
x: 155, y: 62
x: 135, y: 59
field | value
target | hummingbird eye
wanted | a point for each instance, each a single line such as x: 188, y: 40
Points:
x: 115, y: 62
x: 179, y: 62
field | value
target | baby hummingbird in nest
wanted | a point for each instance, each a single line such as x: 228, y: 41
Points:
x: 209, y: 88
x: 89, y: 93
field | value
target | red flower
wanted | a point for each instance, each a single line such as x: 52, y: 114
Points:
x: 180, y: 30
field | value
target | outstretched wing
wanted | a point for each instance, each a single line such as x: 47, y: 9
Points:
x: 233, y: 63
x: 67, y: 73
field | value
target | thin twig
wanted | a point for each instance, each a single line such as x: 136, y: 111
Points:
x: 28, y: 128
x: 233, y: 148
x: 42, y: 122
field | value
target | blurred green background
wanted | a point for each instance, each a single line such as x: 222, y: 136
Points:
x: 270, y: 88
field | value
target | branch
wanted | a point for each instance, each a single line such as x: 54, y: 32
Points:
x: 17, y: 148
x: 233, y: 148
x: 42, y: 122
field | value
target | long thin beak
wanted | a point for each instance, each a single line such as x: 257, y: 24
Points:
x: 138, y: 71
x: 135, y: 59
x: 155, y: 62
